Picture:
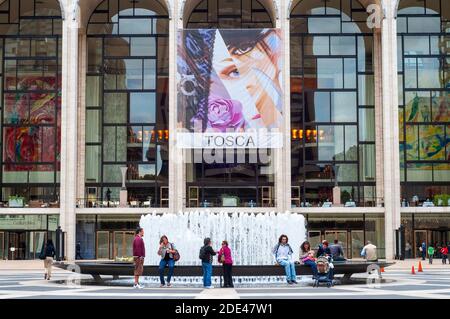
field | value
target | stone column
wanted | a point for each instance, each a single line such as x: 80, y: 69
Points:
x: 69, y: 128
x: 177, y: 179
x: 390, y: 129
x: 82, y: 115
x: 378, y: 83
x: 281, y: 156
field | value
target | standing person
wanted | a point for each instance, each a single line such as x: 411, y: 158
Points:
x: 138, y: 256
x: 369, y: 252
x: 430, y: 251
x: 307, y: 257
x: 337, y: 251
x: 166, y: 251
x: 444, y: 254
x: 206, y: 255
x: 408, y: 250
x: 423, y: 250
x: 48, y: 261
x: 283, y: 256
x: 78, y: 251
x: 227, y: 263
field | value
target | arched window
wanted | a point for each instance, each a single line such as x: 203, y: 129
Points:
x: 30, y: 37
x: 230, y: 177
x: 332, y: 103
x: 225, y: 14
x: 424, y: 94
x: 127, y: 102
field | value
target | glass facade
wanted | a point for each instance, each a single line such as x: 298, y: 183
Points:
x: 351, y: 230
x: 30, y: 72
x: 106, y: 236
x: 424, y: 93
x: 23, y: 236
x: 127, y: 102
x: 230, y: 14
x: 332, y: 103
x: 232, y: 178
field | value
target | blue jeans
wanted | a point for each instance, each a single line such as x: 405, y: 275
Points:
x: 207, y: 273
x: 313, y: 266
x: 289, y: 268
x: 162, y: 265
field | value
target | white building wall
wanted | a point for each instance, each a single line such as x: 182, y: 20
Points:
x: 77, y: 13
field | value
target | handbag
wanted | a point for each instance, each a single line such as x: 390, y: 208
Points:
x: 176, y: 254
x: 222, y: 259
x: 42, y: 253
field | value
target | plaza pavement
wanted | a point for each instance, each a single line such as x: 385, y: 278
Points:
x: 24, y: 280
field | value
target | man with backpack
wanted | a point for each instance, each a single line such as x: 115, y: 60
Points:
x: 206, y: 255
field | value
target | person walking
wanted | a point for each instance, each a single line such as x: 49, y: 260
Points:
x: 307, y: 257
x: 337, y: 252
x: 423, y: 250
x: 206, y: 256
x: 138, y: 256
x: 49, y: 254
x: 166, y: 251
x: 227, y: 262
x: 444, y: 254
x: 78, y: 251
x: 282, y: 253
x: 430, y: 252
x: 369, y: 252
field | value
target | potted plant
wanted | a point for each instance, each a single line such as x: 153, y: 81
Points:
x: 16, y: 201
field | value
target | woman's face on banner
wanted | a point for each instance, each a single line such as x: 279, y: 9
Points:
x: 256, y: 66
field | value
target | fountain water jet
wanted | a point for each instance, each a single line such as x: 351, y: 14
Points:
x: 251, y: 236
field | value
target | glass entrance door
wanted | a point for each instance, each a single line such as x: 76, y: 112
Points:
x: 314, y: 238
x: 357, y: 243
x: 419, y: 237
x: 16, y: 245
x: 123, y: 244
x: 341, y: 236
x: 102, y: 245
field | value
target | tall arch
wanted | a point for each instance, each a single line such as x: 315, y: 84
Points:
x: 31, y: 100
x: 230, y: 14
x: 127, y: 101
x: 332, y: 102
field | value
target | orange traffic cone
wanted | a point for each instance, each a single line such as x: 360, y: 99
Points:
x: 412, y: 270
x: 420, y: 267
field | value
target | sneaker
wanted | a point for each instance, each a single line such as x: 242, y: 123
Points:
x: 137, y: 286
x: 209, y: 287
x: 161, y: 286
x: 45, y: 276
x: 294, y: 282
x: 290, y: 282
x: 169, y: 285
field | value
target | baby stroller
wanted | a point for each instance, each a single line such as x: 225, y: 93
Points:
x: 324, y: 272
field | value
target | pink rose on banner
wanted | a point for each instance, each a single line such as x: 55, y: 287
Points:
x: 224, y: 114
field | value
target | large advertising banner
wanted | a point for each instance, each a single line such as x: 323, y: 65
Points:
x: 230, y: 88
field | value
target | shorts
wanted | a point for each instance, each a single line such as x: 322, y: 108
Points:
x: 138, y: 266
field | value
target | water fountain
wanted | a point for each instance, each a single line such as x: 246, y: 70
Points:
x: 251, y: 236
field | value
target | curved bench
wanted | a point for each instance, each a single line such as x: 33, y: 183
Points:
x: 117, y: 269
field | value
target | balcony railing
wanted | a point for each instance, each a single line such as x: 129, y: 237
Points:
x: 115, y: 203
x: 366, y: 202
x: 22, y: 203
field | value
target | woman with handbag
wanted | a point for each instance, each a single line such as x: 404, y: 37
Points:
x: 169, y: 255
x: 227, y: 263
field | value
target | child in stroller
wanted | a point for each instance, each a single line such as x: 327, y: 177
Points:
x: 324, y: 271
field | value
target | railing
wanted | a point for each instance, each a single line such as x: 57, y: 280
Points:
x: 113, y: 203
x: 366, y: 202
x: 29, y: 204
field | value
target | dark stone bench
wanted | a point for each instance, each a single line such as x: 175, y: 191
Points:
x: 117, y: 269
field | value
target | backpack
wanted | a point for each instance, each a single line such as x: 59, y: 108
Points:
x: 202, y: 254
